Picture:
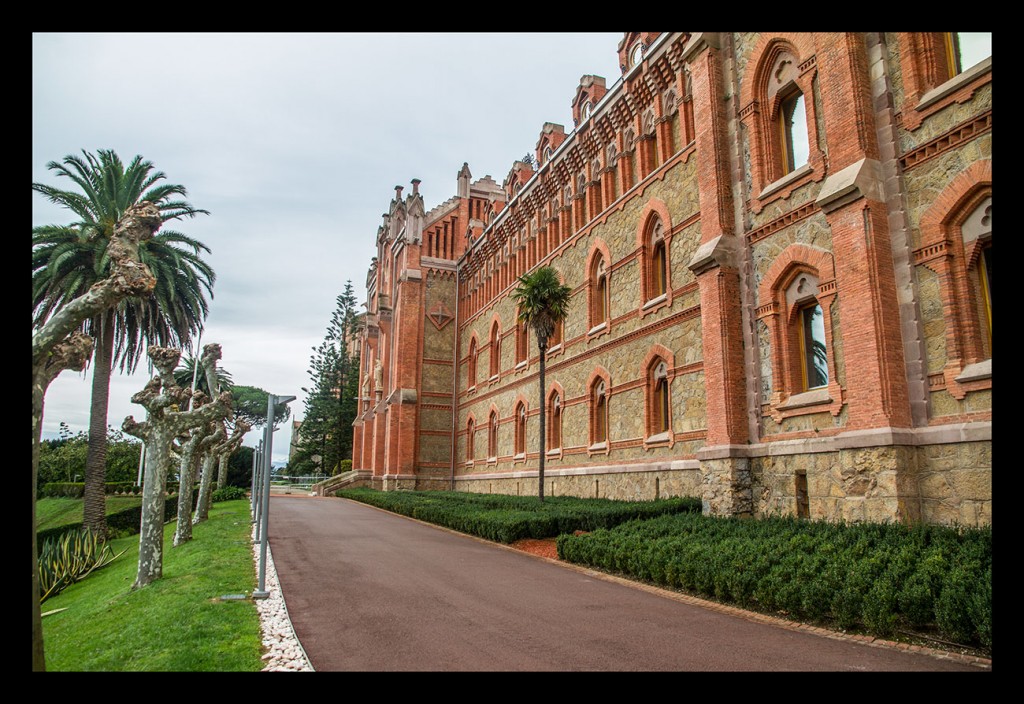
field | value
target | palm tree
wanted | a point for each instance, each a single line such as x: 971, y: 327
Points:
x: 543, y: 303
x: 68, y: 259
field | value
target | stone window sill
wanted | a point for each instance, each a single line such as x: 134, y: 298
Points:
x: 791, y: 177
x: 659, y: 439
x: 521, y: 365
x: 655, y: 301
x: 556, y: 452
x: 976, y: 372
x: 808, y: 398
x: 598, y: 328
x: 954, y: 84
x: 521, y: 457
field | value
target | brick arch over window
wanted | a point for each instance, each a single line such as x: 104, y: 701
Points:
x: 959, y: 261
x: 654, y: 241
x: 658, y: 371
x: 800, y: 280
x: 599, y: 388
x: 777, y: 72
x: 599, y: 263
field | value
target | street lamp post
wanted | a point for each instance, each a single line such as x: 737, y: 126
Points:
x: 268, y: 434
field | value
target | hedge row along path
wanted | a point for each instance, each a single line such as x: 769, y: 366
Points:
x: 368, y: 590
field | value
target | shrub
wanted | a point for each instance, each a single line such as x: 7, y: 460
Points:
x: 228, y: 493
x: 70, y: 558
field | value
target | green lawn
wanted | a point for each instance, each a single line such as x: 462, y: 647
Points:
x: 177, y: 623
x: 59, y: 511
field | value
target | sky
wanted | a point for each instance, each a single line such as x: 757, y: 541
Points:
x: 294, y: 143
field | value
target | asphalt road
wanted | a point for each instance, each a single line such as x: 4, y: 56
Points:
x: 371, y: 591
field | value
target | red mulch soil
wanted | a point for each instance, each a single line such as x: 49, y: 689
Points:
x: 545, y: 547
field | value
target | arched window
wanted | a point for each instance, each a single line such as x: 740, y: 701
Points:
x: 813, y: 349
x: 495, y: 367
x: 657, y: 377
x: 660, y: 404
x: 471, y: 369
x: 555, y: 339
x: 522, y: 343
x: 492, y: 436
x: 956, y: 245
x: 554, y: 430
x: 599, y: 293
x: 520, y: 435
x: 794, y: 150
x: 657, y: 265
x: 599, y: 416
x: 470, y: 435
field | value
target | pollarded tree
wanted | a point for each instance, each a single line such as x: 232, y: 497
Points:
x: 68, y: 259
x: 543, y: 303
x: 218, y: 453
x: 162, y: 398
x: 57, y: 344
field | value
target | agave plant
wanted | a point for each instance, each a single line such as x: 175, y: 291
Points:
x: 70, y: 558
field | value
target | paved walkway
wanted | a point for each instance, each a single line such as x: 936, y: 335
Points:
x: 371, y: 591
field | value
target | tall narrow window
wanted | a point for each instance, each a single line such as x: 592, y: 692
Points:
x: 522, y: 342
x: 813, y: 352
x: 520, y: 430
x: 985, y: 278
x: 495, y: 349
x: 556, y: 336
x: 599, y: 295
x: 793, y: 132
x: 471, y: 370
x: 492, y: 436
x: 659, y: 398
x: 555, y: 431
x: 470, y: 435
x: 658, y: 266
x: 599, y: 433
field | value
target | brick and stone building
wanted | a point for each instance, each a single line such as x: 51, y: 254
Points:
x: 780, y: 251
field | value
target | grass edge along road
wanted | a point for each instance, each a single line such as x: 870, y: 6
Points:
x: 178, y: 623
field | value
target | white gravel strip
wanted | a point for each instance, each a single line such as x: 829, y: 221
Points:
x: 284, y: 652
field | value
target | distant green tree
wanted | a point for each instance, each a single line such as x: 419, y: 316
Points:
x: 325, y: 436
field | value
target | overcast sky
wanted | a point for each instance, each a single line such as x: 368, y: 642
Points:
x: 294, y: 143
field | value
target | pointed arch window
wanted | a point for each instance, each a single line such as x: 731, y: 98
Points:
x: 522, y: 343
x: 794, y: 149
x: 656, y: 281
x: 520, y: 434
x: 471, y: 369
x: 470, y: 435
x: 492, y: 436
x: 659, y: 404
x: 600, y: 298
x: 555, y: 429
x: 495, y: 366
x: 599, y: 415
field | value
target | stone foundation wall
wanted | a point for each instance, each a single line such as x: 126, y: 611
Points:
x: 938, y: 483
x: 633, y: 485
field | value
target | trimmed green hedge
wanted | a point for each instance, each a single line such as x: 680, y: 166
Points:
x: 228, y: 493
x: 119, y: 523
x: 879, y: 577
x: 505, y: 519
x: 76, y: 490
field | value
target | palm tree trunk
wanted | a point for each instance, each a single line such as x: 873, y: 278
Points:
x: 543, y: 451
x: 96, y: 460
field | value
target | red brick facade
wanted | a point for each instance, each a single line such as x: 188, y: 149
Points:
x: 779, y: 247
